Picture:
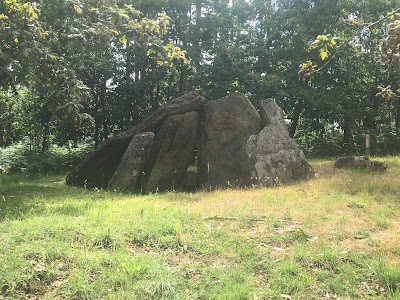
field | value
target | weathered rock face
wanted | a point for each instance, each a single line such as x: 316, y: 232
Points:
x: 226, y: 125
x: 235, y: 147
x: 172, y: 152
x: 190, y: 181
x: 271, y: 113
x: 272, y: 139
x: 132, y: 163
x: 274, y: 155
x: 98, y: 168
x: 359, y: 163
x: 349, y: 162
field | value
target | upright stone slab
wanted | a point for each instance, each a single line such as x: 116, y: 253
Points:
x: 132, y: 163
x: 275, y: 156
x: 172, y: 152
x: 226, y: 125
x: 271, y: 113
x: 97, y: 169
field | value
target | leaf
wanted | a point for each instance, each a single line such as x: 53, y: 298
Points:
x: 314, y: 45
x: 323, y: 54
x: 125, y: 16
x: 168, y: 47
x: 16, y: 40
x: 77, y: 9
x: 123, y: 40
x: 323, y: 37
x: 3, y: 17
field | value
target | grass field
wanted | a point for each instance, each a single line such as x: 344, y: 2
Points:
x: 334, y: 237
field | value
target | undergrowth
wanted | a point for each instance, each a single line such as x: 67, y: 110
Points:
x: 19, y: 159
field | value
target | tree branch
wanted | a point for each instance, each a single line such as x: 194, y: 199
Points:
x: 355, y: 35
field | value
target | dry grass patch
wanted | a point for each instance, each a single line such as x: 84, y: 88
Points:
x: 332, y: 237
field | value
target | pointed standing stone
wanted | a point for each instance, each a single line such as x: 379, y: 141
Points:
x: 275, y: 156
x: 271, y: 113
x: 132, y: 163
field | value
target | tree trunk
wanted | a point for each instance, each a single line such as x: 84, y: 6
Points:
x: 347, y: 138
x: 95, y: 113
x: 295, y: 120
x: 2, y: 125
x: 346, y: 135
x: 45, y: 137
x: 181, y: 80
x: 96, y: 124
x: 198, y: 12
x: 397, y: 119
x: 102, y: 100
x: 170, y: 85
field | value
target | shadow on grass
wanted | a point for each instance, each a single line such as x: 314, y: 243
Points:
x: 22, y: 196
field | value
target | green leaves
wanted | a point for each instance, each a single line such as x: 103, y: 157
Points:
x: 307, y: 70
x: 323, y: 54
x: 3, y: 17
x: 324, y: 43
x: 21, y: 37
x: 123, y: 39
x: 386, y: 93
x: 168, y: 56
x: 391, y: 42
x: 77, y: 9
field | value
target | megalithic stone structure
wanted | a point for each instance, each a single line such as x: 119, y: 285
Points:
x: 98, y: 169
x: 235, y: 146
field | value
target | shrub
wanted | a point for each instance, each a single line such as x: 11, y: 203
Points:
x: 19, y: 159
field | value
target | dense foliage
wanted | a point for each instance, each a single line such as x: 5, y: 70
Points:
x: 77, y: 71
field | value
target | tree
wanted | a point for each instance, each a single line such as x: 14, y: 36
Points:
x: 21, y: 36
x: 73, y: 54
x: 106, y: 65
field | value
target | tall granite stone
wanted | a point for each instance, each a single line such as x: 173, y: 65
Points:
x: 271, y: 113
x: 99, y: 167
x: 275, y: 157
x: 172, y: 153
x: 226, y: 125
x: 132, y: 163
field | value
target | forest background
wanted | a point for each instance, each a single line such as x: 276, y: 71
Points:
x: 75, y: 72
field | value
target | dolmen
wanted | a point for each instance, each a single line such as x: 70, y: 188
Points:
x: 193, y: 143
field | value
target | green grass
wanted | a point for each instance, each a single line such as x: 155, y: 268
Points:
x: 335, y: 236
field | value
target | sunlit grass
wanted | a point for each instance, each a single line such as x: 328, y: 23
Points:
x: 335, y: 235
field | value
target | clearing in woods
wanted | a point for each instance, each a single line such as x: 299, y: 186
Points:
x: 336, y: 236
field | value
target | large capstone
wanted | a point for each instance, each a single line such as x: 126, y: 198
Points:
x: 226, y: 125
x: 275, y: 157
x: 172, y: 153
x: 98, y: 169
x: 132, y: 163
